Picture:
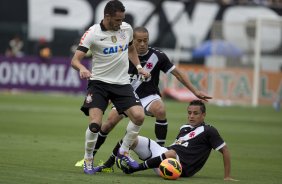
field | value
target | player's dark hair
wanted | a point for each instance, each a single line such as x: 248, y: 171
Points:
x: 199, y: 103
x: 140, y: 29
x: 113, y: 6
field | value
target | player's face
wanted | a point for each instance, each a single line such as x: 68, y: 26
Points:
x: 116, y: 21
x: 140, y: 41
x: 195, y: 115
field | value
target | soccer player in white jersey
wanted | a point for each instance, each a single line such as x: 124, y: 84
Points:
x: 153, y: 61
x: 191, y: 148
x: 111, y: 45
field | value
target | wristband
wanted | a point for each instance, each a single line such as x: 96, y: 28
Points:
x: 138, y: 66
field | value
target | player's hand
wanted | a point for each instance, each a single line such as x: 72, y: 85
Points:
x: 84, y: 74
x: 202, y: 96
x: 230, y: 179
x: 145, y: 74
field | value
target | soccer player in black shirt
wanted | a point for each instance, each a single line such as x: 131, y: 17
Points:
x: 191, y: 147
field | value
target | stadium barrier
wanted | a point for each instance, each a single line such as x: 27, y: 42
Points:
x: 227, y: 86
x: 34, y: 74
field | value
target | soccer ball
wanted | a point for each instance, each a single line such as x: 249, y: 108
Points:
x: 170, y: 169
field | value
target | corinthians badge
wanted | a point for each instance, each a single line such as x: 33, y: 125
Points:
x: 89, y: 98
x: 122, y: 34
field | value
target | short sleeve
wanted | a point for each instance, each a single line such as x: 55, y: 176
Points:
x: 215, y: 139
x: 165, y: 64
x: 87, y: 38
x: 130, y: 33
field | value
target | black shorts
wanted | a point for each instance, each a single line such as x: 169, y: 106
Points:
x: 99, y: 93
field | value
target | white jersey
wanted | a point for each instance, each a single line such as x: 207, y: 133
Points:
x: 109, y: 52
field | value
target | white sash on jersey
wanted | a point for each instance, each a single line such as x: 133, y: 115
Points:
x: 153, y: 59
x: 190, y: 135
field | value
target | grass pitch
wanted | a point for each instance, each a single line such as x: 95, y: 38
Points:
x: 42, y: 136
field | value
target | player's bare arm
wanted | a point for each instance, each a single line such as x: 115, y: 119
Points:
x: 133, y: 56
x: 227, y: 164
x: 181, y: 78
x: 84, y: 73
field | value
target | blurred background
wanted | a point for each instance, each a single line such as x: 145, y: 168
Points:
x: 232, y: 50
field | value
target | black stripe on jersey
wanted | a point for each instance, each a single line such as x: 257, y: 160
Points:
x: 83, y: 49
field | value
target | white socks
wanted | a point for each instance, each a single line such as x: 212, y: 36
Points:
x: 132, y: 131
x: 90, y: 141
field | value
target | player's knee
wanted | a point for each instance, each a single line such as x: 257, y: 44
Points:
x: 136, y: 115
x: 94, y: 127
x: 139, y: 118
x: 160, y: 113
x: 157, y: 108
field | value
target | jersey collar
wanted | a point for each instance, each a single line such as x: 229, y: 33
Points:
x: 141, y: 55
x: 188, y: 125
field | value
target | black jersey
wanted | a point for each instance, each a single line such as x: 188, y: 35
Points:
x: 154, y: 62
x: 193, y: 146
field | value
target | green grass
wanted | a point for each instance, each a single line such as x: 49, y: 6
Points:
x: 42, y: 136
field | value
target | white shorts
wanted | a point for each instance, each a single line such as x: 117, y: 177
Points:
x: 147, y: 101
x: 148, y: 148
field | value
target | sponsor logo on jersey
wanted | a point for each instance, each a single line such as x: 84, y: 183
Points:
x: 115, y: 49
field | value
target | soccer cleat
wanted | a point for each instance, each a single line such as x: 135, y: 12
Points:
x: 104, y: 168
x: 88, y: 166
x: 128, y: 160
x: 79, y: 163
x: 123, y: 166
